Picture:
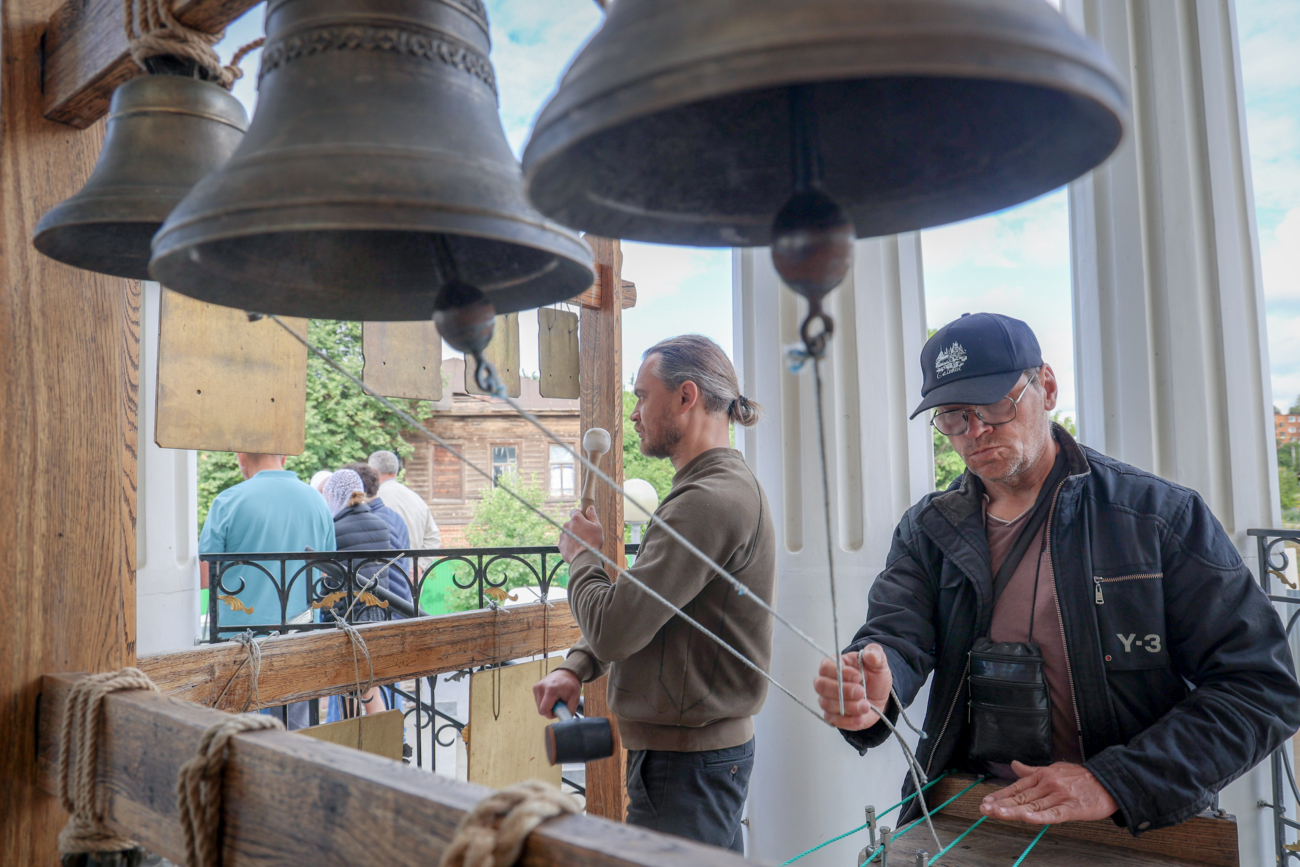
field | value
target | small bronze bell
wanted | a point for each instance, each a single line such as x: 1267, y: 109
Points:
x: 677, y: 122
x: 375, y: 172
x: 165, y: 133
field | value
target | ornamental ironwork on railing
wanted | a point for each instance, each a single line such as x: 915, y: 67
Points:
x: 302, y: 591
x: 1273, y: 561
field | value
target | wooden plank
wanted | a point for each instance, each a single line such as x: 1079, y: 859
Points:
x: 379, y: 734
x: 403, y: 359
x: 315, y: 664
x: 503, y: 352
x: 590, y: 297
x: 226, y: 384
x: 1204, y: 839
x: 993, y: 846
x: 69, y: 375
x: 506, y: 733
x: 292, y: 800
x: 557, y: 351
x: 601, y: 405
x: 85, y: 51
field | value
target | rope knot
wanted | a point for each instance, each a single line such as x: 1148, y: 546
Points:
x: 494, y: 832
x: 83, y: 712
x: 152, y: 30
x: 198, y: 788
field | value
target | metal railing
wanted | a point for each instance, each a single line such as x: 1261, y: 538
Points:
x: 1273, y: 564
x: 308, y: 590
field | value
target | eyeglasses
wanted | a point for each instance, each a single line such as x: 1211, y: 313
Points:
x: 956, y: 422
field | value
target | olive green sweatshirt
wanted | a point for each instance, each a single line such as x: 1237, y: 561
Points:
x: 670, y: 686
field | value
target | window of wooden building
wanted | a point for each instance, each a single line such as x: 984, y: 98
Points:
x: 504, y: 458
x: 561, y: 472
x: 448, y: 475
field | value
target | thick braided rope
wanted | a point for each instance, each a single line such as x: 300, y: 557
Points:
x: 152, y: 31
x: 493, y: 833
x: 198, y: 788
x: 79, y: 746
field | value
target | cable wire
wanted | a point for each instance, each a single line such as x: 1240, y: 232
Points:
x: 620, y: 570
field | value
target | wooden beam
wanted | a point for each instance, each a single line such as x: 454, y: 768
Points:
x: 1204, y: 839
x: 600, y: 352
x: 86, y: 57
x: 289, y: 799
x: 315, y: 664
x: 69, y: 373
x: 590, y: 297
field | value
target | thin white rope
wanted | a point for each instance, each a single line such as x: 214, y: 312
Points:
x: 621, y: 571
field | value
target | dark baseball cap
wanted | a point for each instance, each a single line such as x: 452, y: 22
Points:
x: 976, y: 360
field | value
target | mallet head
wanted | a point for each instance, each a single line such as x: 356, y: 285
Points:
x: 574, y: 739
x: 596, y: 441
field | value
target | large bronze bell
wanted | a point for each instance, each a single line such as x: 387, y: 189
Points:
x: 375, y: 172
x: 165, y: 133
x: 674, y: 123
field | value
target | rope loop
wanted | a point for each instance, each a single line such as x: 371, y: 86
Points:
x: 494, y: 832
x: 152, y: 30
x: 83, y: 712
x: 198, y: 788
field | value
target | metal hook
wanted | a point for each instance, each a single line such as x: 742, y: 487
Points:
x: 815, y: 344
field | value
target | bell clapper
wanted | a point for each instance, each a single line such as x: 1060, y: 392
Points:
x: 466, y: 319
x: 812, y: 236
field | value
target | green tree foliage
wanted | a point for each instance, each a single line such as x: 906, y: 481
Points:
x: 501, y: 521
x: 657, y: 471
x: 1295, y: 407
x: 342, y: 423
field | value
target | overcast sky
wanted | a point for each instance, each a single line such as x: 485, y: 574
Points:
x: 1016, y: 262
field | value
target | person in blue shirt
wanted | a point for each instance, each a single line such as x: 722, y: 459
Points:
x: 270, y: 512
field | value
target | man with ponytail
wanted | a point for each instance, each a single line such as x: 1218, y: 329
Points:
x: 684, y: 706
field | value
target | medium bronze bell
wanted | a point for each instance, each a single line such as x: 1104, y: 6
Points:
x: 375, y: 171
x: 675, y: 123
x: 165, y: 133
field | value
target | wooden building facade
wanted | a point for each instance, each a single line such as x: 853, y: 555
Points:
x: 489, y: 432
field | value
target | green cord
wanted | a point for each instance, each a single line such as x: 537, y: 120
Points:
x: 940, y: 807
x: 861, y: 827
x: 945, y: 849
x: 1025, y: 854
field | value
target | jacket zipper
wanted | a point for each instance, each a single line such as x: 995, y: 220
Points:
x: 1098, y: 581
x: 1056, y: 593
x: 952, y: 707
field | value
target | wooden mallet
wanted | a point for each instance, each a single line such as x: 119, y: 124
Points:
x: 575, y: 739
x: 595, y: 442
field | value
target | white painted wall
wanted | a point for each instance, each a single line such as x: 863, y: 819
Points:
x: 808, y: 784
x: 167, y: 535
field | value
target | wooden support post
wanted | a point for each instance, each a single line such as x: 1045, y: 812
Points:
x: 289, y: 799
x: 600, y: 345
x: 69, y: 368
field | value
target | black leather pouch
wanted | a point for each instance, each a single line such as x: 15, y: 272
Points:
x: 1010, y: 707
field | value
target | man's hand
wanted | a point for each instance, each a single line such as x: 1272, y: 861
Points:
x: 858, y: 714
x: 585, y: 527
x: 560, y: 685
x: 1061, y: 792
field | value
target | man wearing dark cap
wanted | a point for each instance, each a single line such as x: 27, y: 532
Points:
x: 1093, y: 633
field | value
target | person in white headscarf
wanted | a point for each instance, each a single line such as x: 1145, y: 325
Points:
x: 343, y: 489
x: 318, y: 480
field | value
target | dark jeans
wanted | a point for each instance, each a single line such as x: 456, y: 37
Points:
x: 699, y: 796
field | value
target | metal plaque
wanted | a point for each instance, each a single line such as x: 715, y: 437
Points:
x: 503, y: 352
x: 557, y: 350
x: 403, y: 359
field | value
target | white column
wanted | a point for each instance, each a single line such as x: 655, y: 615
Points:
x: 167, y: 541
x: 809, y: 785
x: 1170, y: 343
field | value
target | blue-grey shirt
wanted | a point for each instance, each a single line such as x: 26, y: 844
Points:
x: 270, y: 513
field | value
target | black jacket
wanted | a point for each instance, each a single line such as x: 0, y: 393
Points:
x: 356, y: 528
x: 1179, y: 668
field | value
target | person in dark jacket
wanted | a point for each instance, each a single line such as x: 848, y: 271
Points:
x: 398, y: 536
x: 356, y: 528
x: 1165, y: 669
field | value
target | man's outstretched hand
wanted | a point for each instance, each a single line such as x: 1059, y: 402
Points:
x: 858, y: 714
x: 1061, y: 792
